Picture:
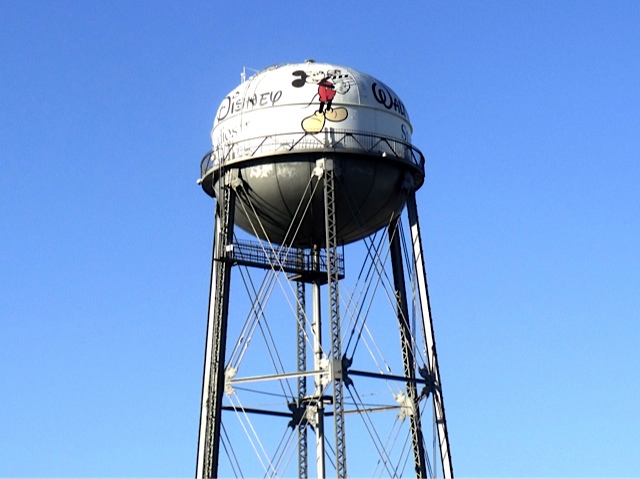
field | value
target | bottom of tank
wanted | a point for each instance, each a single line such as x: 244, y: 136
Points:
x: 283, y: 201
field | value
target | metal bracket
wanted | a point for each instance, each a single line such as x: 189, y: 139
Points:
x: 229, y: 374
x: 299, y: 415
x: 345, y: 364
x: 430, y: 382
x: 407, y: 406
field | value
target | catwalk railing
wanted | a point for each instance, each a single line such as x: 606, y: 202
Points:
x: 296, y: 261
x: 343, y: 141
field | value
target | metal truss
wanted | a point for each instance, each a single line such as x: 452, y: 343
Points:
x: 357, y: 387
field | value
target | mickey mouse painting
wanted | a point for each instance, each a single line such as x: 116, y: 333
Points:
x: 329, y: 84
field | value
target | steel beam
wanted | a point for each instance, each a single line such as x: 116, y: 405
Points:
x: 331, y: 246
x: 407, y: 348
x: 301, y: 336
x: 429, y: 339
x: 214, y: 364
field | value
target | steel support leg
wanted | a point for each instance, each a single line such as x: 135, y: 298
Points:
x: 429, y: 339
x: 407, y: 346
x: 214, y: 367
x: 334, y: 312
x: 318, y: 357
x: 303, y: 471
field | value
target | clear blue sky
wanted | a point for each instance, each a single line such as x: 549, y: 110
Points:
x: 529, y: 116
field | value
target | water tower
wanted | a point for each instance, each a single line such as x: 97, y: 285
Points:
x: 320, y: 356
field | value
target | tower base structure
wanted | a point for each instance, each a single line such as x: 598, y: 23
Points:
x: 320, y: 359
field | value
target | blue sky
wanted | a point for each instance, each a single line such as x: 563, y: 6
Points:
x: 529, y: 116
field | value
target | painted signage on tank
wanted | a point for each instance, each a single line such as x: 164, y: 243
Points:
x: 278, y: 106
x: 387, y: 99
x: 330, y: 83
x: 236, y: 103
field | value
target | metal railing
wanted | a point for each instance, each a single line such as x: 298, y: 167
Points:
x: 282, y: 258
x: 336, y: 140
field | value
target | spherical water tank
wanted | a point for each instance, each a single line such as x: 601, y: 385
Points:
x: 276, y: 127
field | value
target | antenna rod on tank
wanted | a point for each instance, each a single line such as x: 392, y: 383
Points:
x: 243, y: 75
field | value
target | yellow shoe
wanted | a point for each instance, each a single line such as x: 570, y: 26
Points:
x: 313, y: 123
x: 338, y: 114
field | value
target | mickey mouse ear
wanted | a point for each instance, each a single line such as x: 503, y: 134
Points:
x: 298, y: 82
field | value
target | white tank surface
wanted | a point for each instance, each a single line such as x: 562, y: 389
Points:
x: 275, y: 126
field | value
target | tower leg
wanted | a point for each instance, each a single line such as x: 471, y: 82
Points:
x: 317, y: 365
x: 301, y: 336
x: 214, y: 367
x: 432, y: 357
x: 334, y: 312
x: 407, y: 347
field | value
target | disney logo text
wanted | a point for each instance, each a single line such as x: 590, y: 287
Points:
x: 234, y: 104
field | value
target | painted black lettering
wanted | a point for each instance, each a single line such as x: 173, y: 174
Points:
x: 387, y: 99
x: 223, y: 111
x: 235, y: 104
x: 381, y: 95
x: 275, y: 96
